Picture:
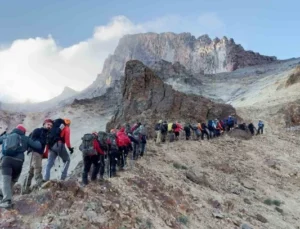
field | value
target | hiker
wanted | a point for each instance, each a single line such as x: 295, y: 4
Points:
x: 13, y: 147
x: 187, y: 130
x: 211, y: 127
x: 164, y: 131
x: 230, y: 122
x: 137, y: 143
x: 59, y: 136
x: 204, y: 130
x: 112, y: 152
x: 158, y: 131
x: 91, y: 152
x: 219, y: 128
x: 242, y: 126
x: 122, y: 141
x: 127, y: 128
x: 177, y: 130
x: 261, y: 125
x: 251, y: 127
x: 143, y: 139
x: 103, y: 141
x: 35, y: 167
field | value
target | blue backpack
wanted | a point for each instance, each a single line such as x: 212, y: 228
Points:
x: 12, y: 145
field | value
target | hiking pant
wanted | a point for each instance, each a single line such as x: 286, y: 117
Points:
x: 163, y: 137
x: 136, y: 150
x: 176, y: 135
x: 102, y: 165
x: 113, y: 157
x: 142, y: 148
x: 60, y: 150
x: 158, y: 136
x: 211, y: 133
x: 88, y: 161
x: 11, y: 169
x: 171, y: 136
x: 260, y: 130
x: 204, y: 132
x: 35, y: 169
x: 187, y: 134
x: 123, y: 152
x: 252, y: 131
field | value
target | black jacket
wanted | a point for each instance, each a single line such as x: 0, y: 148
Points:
x: 40, y: 134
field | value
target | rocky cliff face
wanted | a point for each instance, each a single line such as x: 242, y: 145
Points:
x: 147, y: 98
x: 199, y: 55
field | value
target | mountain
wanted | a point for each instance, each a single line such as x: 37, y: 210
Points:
x: 198, y: 55
x: 58, y: 101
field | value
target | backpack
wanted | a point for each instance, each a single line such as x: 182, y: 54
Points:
x: 157, y: 126
x: 135, y: 126
x: 87, y: 145
x: 164, y: 128
x: 54, y: 134
x: 12, y: 145
x: 210, y: 124
x: 113, y: 141
x: 174, y: 126
x: 143, y: 138
x: 102, y: 138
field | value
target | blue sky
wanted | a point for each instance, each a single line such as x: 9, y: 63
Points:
x: 46, y: 45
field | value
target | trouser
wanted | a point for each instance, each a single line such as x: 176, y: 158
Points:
x: 136, y: 150
x: 176, y: 135
x: 187, y: 134
x: 123, y: 152
x: 142, y: 148
x: 60, y: 150
x: 260, y: 130
x: 35, y: 169
x: 11, y: 169
x: 252, y: 131
x: 163, y: 137
x: 102, y: 165
x: 171, y: 136
x: 230, y: 126
x: 113, y: 157
x: 88, y: 161
x: 158, y: 136
x: 204, y: 132
x: 211, y: 133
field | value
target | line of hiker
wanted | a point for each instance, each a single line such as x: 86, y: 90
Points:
x: 105, y: 151
x: 211, y: 129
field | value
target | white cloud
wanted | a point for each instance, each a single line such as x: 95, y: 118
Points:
x: 37, y: 69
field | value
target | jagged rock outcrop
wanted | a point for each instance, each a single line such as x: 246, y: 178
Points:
x: 199, y: 55
x: 147, y: 98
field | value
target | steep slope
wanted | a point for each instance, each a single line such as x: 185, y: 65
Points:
x: 148, y: 99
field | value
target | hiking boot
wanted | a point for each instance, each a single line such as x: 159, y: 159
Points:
x: 6, y: 204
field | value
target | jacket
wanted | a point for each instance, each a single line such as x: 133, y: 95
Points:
x: 26, y: 143
x: 65, y: 136
x: 40, y: 134
x: 178, y: 127
x: 97, y: 147
x: 122, y: 138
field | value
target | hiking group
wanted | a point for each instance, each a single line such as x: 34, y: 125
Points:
x: 105, y: 151
x: 213, y: 128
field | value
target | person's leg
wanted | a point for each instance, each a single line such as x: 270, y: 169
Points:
x: 96, y: 163
x: 50, y: 162
x: 102, y: 166
x: 142, y: 149
x: 87, y: 162
x: 37, y: 166
x: 113, y: 162
x: 64, y: 155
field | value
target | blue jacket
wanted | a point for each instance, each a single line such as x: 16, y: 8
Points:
x: 26, y: 142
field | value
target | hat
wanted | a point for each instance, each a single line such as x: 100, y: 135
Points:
x: 48, y: 121
x: 21, y: 127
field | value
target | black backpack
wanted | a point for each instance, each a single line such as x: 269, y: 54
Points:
x: 157, y: 126
x: 54, y: 134
x: 113, y: 141
x: 12, y: 145
x: 87, y: 145
x: 164, y: 128
x: 174, y: 126
x: 102, y: 138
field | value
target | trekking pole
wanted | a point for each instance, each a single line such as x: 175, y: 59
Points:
x: 24, y: 187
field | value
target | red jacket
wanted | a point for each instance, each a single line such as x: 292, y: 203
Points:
x: 97, y: 147
x: 65, y: 135
x: 178, y: 128
x: 122, y: 138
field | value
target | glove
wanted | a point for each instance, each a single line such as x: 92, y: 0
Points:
x: 71, y: 149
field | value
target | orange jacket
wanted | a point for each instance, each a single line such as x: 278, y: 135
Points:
x: 65, y: 135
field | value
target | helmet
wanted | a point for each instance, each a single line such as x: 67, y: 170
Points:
x: 67, y: 121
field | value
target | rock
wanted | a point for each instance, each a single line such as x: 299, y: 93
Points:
x: 245, y: 226
x: 248, y: 185
x: 294, y: 77
x: 247, y: 201
x: 147, y: 98
x: 200, y: 180
x: 279, y: 210
x: 217, y: 214
x: 261, y: 218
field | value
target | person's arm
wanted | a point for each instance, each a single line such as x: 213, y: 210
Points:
x: 36, y: 145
